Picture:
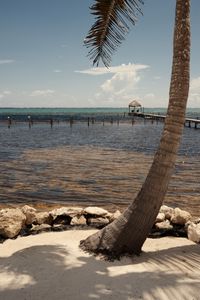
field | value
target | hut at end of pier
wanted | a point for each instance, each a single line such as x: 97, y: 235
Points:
x: 135, y: 106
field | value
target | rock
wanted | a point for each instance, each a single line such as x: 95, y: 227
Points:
x: 11, y: 222
x: 66, y: 211
x: 165, y: 225
x: 96, y: 211
x: 160, y: 217
x: 30, y: 213
x: 62, y: 220
x: 180, y: 216
x: 58, y: 227
x: 168, y: 211
x: 197, y: 221
x: 115, y: 215
x: 97, y: 222
x: 43, y: 218
x: 40, y: 228
x: 78, y: 220
x: 193, y: 232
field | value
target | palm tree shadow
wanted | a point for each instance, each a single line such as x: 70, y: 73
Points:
x: 53, y: 272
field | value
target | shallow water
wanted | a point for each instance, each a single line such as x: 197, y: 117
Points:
x: 101, y: 165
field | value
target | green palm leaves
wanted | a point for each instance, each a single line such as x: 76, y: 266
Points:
x: 110, y: 27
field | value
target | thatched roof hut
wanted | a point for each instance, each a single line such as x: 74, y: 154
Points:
x: 135, y: 105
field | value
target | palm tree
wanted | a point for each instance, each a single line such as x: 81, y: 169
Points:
x: 127, y: 234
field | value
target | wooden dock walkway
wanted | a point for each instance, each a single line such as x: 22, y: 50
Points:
x: 189, y: 122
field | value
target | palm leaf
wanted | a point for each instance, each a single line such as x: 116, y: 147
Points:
x: 110, y: 27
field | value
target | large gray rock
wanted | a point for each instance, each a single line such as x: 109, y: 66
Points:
x: 66, y: 211
x: 43, y: 218
x: 96, y: 211
x: 11, y: 222
x: 30, y: 213
x: 180, y: 216
x: 167, y: 210
x: 193, y: 232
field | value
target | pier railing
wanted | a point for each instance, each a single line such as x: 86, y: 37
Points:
x: 190, y: 122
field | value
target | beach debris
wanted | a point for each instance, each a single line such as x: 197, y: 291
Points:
x: 180, y: 216
x: 12, y: 220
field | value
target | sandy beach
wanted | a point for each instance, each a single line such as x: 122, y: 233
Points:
x: 51, y: 266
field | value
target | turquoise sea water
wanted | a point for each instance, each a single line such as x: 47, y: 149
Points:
x: 62, y: 114
x: 83, y: 110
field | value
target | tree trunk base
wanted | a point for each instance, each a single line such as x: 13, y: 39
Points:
x: 101, y: 244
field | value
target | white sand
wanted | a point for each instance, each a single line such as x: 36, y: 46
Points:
x: 51, y: 266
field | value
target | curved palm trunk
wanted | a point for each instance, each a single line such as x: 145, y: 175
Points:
x: 128, y: 233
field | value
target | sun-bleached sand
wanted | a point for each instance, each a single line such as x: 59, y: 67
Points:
x: 51, y: 266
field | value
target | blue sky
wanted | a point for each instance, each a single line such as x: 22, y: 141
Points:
x: 43, y: 62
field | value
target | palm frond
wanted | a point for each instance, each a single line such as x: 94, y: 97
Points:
x: 110, y: 27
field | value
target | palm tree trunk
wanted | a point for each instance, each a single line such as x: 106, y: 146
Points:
x: 128, y: 233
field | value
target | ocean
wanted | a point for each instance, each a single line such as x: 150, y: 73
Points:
x: 104, y: 162
x: 62, y: 114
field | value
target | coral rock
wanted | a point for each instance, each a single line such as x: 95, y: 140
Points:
x: 193, y: 232
x: 180, y: 216
x: 11, y: 222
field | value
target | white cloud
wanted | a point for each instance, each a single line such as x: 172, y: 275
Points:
x: 42, y: 93
x: 57, y: 71
x: 121, y: 87
x: 5, y: 93
x: 6, y: 61
x: 149, y: 96
x: 113, y: 70
x: 194, y: 95
x: 195, y: 85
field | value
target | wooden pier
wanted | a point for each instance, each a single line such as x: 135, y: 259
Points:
x: 189, y: 122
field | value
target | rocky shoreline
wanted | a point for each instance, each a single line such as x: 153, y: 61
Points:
x: 27, y: 220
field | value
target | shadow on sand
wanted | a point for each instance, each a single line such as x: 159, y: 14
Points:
x: 52, y: 272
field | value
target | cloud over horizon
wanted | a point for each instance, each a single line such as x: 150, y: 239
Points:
x: 42, y: 93
x: 120, y: 87
x: 123, y: 68
x: 6, y: 61
x: 194, y: 95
